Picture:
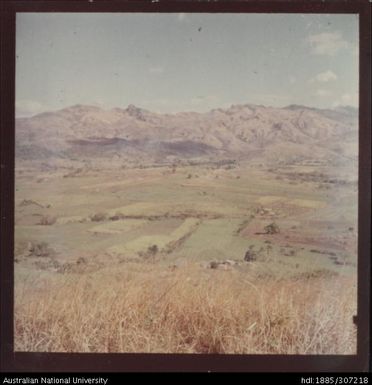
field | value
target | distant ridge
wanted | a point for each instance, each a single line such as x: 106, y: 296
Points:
x: 244, y: 131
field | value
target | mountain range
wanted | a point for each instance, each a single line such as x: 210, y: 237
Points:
x: 241, y: 132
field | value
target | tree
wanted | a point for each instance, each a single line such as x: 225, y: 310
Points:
x: 272, y: 228
x: 250, y: 255
x: 152, y: 250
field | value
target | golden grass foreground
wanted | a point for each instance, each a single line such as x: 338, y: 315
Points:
x: 186, y: 310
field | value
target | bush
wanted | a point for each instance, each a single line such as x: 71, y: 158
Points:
x: 41, y: 249
x: 250, y: 256
x: 272, y: 228
x: 98, y: 217
x: 47, y: 220
x: 152, y: 250
x: 116, y: 217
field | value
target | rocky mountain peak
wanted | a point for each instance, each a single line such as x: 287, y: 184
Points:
x: 241, y: 131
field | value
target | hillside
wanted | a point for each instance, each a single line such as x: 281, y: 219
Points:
x: 241, y: 132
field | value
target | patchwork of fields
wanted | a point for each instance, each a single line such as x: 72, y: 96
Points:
x: 202, y: 219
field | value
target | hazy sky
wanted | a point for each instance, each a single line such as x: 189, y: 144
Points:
x: 176, y: 62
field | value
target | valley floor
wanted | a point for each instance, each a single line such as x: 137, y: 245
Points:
x: 193, y: 259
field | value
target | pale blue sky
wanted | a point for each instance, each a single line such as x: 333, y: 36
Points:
x: 177, y: 62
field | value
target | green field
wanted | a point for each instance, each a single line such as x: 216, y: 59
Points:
x: 198, y: 214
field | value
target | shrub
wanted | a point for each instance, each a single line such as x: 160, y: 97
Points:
x: 213, y: 265
x: 117, y: 216
x: 41, y: 249
x: 272, y: 228
x: 47, y: 220
x: 152, y: 250
x: 98, y: 217
x: 250, y: 256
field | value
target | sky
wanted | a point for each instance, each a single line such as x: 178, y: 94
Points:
x: 171, y: 62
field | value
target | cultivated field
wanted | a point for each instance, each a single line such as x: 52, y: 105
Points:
x: 207, y: 258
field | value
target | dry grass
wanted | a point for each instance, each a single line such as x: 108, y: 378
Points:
x: 189, y: 310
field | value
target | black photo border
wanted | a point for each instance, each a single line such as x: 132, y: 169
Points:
x: 11, y: 361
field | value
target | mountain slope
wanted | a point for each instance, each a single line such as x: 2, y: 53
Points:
x: 241, y: 132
